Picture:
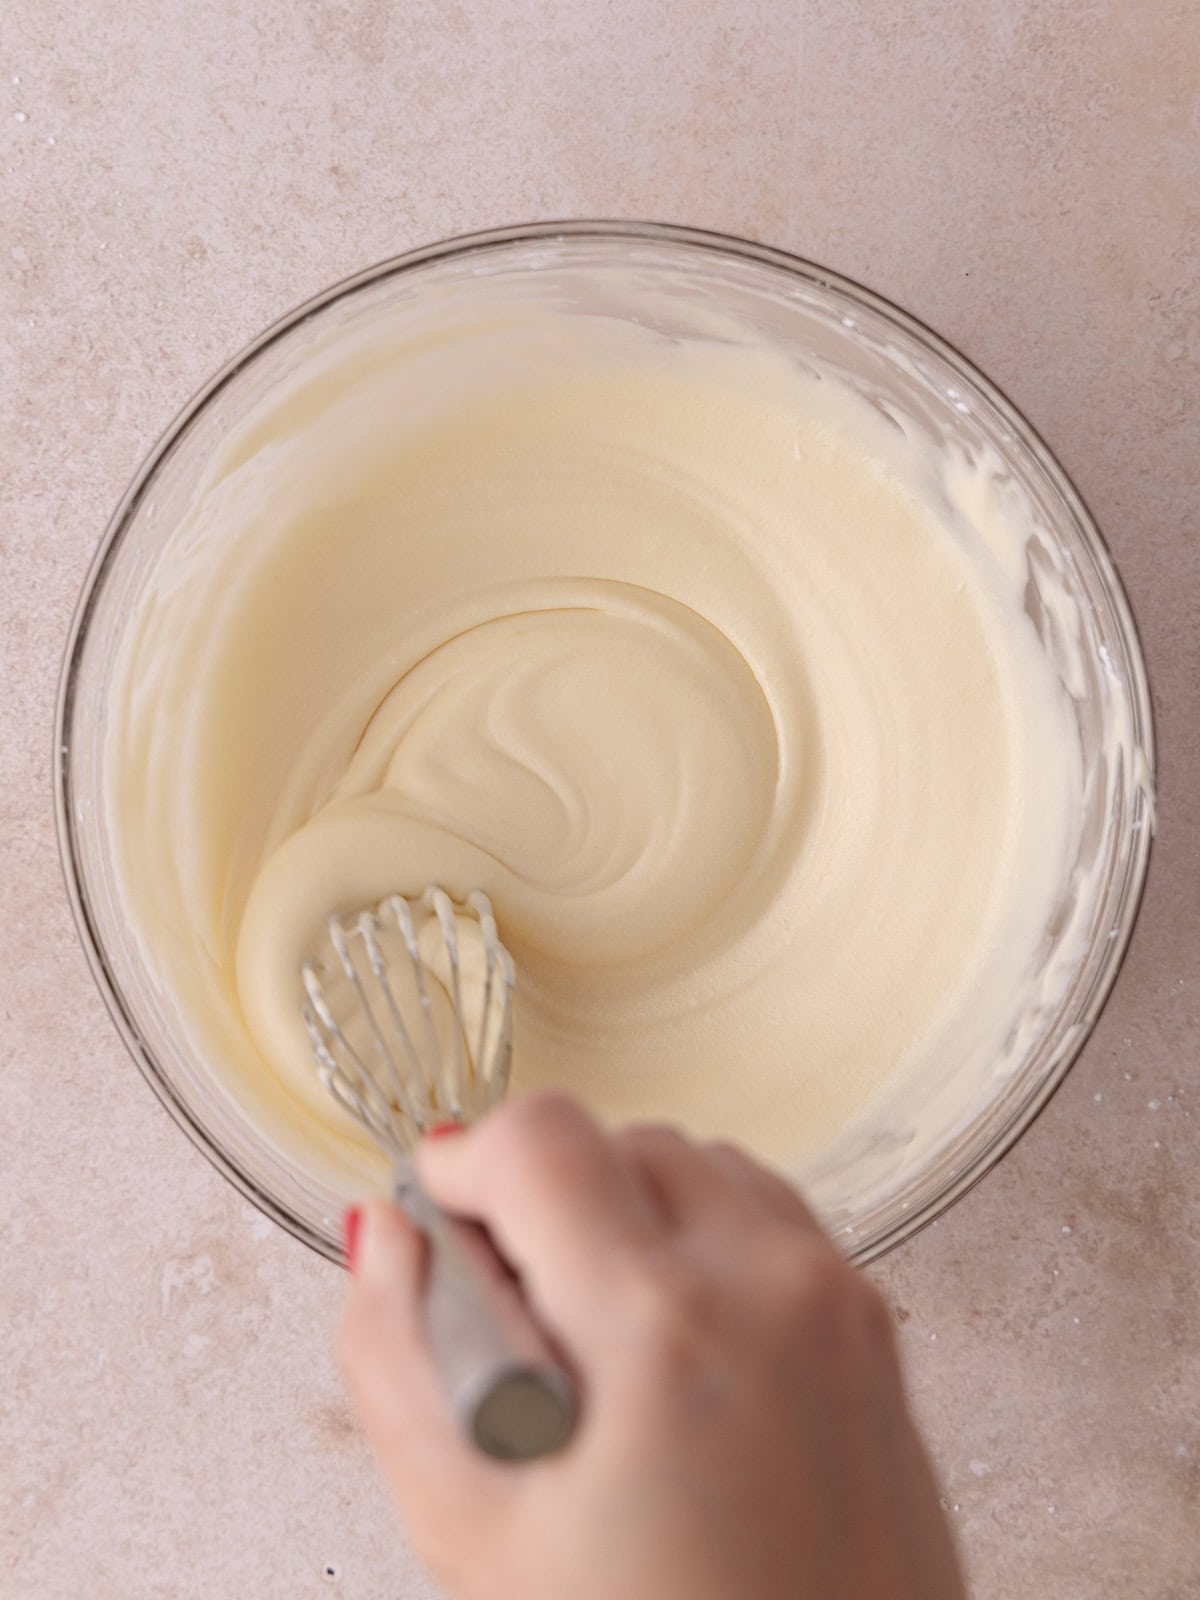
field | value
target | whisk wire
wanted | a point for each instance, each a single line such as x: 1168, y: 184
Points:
x: 439, y: 903
x: 344, y: 1074
x: 487, y: 927
x: 340, y: 941
x: 394, y: 1074
x: 368, y: 927
x: 402, y: 912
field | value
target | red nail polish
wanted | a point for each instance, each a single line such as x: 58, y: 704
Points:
x: 350, y: 1224
x: 441, y: 1129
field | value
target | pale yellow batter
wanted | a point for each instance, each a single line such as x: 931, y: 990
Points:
x: 714, y: 681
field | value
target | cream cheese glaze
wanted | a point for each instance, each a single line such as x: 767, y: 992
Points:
x: 718, y: 684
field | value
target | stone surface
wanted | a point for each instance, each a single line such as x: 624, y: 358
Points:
x: 1024, y: 175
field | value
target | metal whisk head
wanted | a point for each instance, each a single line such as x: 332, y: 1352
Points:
x: 409, y: 1013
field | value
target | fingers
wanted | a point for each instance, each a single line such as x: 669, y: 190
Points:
x: 390, y: 1372
x: 382, y: 1346
x: 543, y: 1176
x: 558, y: 1197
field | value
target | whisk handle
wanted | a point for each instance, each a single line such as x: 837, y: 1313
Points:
x: 509, y: 1390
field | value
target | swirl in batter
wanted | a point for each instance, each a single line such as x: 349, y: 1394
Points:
x: 684, y: 657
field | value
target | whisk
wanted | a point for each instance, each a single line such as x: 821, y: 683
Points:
x: 408, y: 1008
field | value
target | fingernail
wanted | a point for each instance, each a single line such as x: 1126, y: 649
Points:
x: 350, y: 1225
x: 441, y: 1130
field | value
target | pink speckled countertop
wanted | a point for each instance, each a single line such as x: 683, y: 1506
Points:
x: 1023, y: 175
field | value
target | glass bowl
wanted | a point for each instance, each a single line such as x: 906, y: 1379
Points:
x: 914, y: 1164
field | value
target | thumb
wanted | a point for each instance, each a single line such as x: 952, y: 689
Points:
x: 381, y: 1344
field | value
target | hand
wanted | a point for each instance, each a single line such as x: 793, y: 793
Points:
x: 744, y: 1433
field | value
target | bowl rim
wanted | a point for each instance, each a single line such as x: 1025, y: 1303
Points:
x: 629, y: 231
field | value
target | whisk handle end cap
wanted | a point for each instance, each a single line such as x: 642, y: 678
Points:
x: 523, y: 1413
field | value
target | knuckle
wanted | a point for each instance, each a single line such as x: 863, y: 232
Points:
x: 539, y: 1145
x: 650, y: 1143
x: 838, y: 1311
x: 675, y: 1312
x: 649, y: 1135
x: 536, y: 1120
x: 725, y: 1150
x: 816, y: 1286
